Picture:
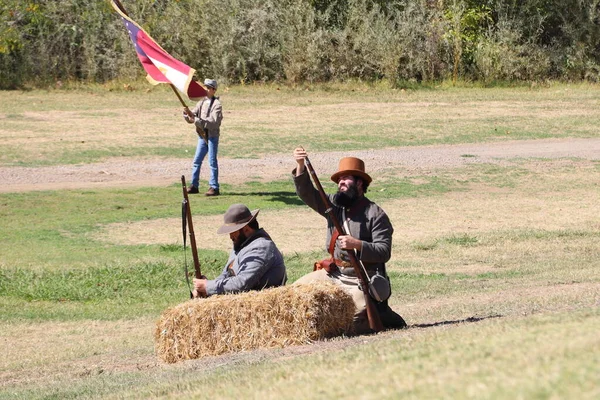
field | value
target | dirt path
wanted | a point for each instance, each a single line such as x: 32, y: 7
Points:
x: 157, y: 172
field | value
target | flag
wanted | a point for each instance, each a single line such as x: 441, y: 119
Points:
x: 160, y: 65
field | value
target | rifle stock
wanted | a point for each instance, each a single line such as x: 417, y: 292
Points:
x: 373, y: 315
x: 188, y: 213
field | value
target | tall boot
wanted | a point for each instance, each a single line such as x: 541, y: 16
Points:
x: 389, y: 318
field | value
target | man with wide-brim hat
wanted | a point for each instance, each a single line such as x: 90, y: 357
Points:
x: 369, y: 236
x: 254, y: 263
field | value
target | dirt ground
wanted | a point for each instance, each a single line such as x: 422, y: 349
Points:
x: 413, y: 160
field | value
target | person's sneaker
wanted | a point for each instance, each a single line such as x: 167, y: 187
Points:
x: 212, y: 192
x: 192, y: 190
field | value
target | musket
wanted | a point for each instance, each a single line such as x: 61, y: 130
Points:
x: 187, y: 216
x: 372, y: 312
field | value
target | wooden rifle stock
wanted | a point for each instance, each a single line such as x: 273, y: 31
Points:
x: 188, y: 217
x: 372, y: 312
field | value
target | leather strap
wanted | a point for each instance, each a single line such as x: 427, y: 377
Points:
x: 334, y: 235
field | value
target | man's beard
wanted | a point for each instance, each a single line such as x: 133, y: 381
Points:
x: 346, y: 198
x: 239, y: 241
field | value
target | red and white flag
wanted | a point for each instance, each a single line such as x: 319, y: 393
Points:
x: 160, y: 65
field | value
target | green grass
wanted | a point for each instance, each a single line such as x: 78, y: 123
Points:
x: 268, y: 119
x: 69, y: 270
x: 59, y: 223
x: 560, y: 361
x: 502, y: 304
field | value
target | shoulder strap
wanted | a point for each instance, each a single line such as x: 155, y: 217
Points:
x: 212, y: 101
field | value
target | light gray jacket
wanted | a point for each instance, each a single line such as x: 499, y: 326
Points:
x: 257, y: 265
x: 211, y: 119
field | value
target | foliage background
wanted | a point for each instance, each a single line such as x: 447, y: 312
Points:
x: 46, y: 42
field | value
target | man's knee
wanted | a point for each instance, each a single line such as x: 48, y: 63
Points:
x: 315, y: 276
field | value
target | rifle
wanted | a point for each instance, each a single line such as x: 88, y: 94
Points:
x: 186, y: 215
x: 372, y: 312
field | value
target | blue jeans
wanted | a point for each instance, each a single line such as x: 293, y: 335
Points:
x: 201, y: 150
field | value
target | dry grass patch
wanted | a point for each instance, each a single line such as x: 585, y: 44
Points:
x: 509, y: 300
x: 482, y: 210
x: 417, y: 221
x: 50, y: 351
x: 284, y: 230
x: 113, y: 121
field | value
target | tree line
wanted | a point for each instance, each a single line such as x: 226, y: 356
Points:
x: 296, y: 41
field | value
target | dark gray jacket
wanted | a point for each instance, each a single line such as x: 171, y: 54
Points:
x: 369, y: 223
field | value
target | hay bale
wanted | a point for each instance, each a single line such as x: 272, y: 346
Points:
x: 277, y: 317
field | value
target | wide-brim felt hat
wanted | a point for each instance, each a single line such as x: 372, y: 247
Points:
x: 236, y: 217
x: 351, y: 166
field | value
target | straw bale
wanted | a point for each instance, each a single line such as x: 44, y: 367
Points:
x: 277, y: 317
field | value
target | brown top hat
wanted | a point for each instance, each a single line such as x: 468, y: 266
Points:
x: 236, y: 217
x: 351, y: 166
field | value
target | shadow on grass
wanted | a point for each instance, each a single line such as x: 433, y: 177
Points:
x: 459, y: 321
x: 289, y: 198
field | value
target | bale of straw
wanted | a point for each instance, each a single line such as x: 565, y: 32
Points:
x: 277, y: 317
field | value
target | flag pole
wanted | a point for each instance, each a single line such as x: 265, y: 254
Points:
x: 187, y: 110
x: 118, y: 3
x: 201, y: 132
x: 185, y: 106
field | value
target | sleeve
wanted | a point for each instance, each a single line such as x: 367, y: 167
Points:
x: 197, y: 108
x: 252, y: 266
x: 379, y: 249
x: 308, y: 193
x: 224, y: 273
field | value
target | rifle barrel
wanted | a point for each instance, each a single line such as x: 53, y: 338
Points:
x: 188, y: 213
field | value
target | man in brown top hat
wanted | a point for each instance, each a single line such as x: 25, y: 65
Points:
x: 254, y: 263
x: 369, y: 236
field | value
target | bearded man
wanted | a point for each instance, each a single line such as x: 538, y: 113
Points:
x: 254, y: 263
x: 369, y: 236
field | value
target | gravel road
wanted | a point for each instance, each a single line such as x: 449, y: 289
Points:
x: 415, y: 160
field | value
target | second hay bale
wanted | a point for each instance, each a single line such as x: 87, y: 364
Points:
x: 278, y: 317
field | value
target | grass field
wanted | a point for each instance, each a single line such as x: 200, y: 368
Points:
x: 495, y: 267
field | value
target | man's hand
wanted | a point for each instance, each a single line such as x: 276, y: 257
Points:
x: 188, y: 116
x: 348, y: 242
x: 199, y: 288
x: 299, y: 155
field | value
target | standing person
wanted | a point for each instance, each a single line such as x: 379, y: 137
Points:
x: 254, y: 263
x: 208, y: 115
x: 369, y: 236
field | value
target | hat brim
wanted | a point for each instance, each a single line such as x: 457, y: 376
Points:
x: 355, y: 172
x: 229, y: 228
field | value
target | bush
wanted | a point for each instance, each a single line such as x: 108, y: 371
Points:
x: 45, y: 41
